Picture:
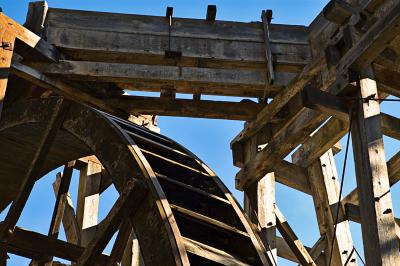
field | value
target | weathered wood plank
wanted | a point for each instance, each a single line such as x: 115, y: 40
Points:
x: 129, y: 200
x: 186, y: 108
x: 46, y: 50
x: 6, y: 52
x: 88, y: 200
x: 70, y: 224
x: 291, y: 239
x: 34, y: 245
x: 41, y: 80
x: 233, y: 82
x: 49, y: 134
x: 323, y: 179
x: 124, y: 233
x: 379, y: 236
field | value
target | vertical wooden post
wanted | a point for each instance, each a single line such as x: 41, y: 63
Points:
x: 259, y: 205
x: 88, y: 200
x: 6, y: 51
x: 323, y: 180
x: 132, y: 256
x: 381, y: 245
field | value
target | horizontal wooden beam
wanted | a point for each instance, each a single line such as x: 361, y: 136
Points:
x: 35, y: 246
x: 325, y: 102
x: 143, y: 40
x: 38, y: 78
x: 231, y: 82
x: 244, y: 110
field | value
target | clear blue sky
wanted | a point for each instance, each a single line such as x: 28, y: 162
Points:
x: 209, y: 139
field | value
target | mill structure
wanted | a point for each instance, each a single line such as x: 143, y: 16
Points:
x: 64, y: 101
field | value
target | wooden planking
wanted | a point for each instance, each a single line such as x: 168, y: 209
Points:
x: 59, y: 87
x: 323, y: 179
x: 182, y: 79
x: 34, y: 245
x: 45, y: 49
x: 291, y: 239
x: 125, y: 206
x: 50, y: 132
x: 5, y: 54
x: 70, y: 224
x: 88, y: 200
x: 211, y: 253
x: 380, y: 242
x: 370, y: 45
x: 393, y: 166
x: 259, y: 205
x: 147, y: 38
x: 184, y: 107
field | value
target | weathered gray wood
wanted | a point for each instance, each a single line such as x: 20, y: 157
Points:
x: 323, y: 179
x: 379, y: 236
x: 45, y: 49
x: 291, y: 239
x: 49, y: 134
x: 36, y: 16
x: 41, y: 80
x: 34, y: 245
x: 233, y: 82
x: 338, y: 11
x: 125, y: 206
x: 185, y: 107
x: 88, y: 200
x: 70, y: 224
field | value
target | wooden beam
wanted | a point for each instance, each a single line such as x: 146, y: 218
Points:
x: 142, y: 40
x: 338, y: 11
x: 323, y: 179
x: 320, y: 142
x: 34, y: 245
x: 50, y: 132
x: 292, y: 176
x: 325, y: 102
x: 393, y: 166
x: 360, y: 55
x: 36, y: 16
x: 61, y: 200
x: 229, y: 82
x: 7, y: 39
x: 123, y: 237
x: 259, y: 205
x: 70, y: 224
x: 291, y: 239
x: 46, y: 50
x: 132, y: 255
x: 88, y: 200
x: 125, y: 206
x: 186, y: 108
x: 376, y: 210
x: 60, y: 87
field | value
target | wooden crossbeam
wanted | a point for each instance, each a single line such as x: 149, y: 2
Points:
x: 35, y: 246
x: 49, y: 134
x: 61, y: 200
x: 360, y: 55
x: 230, y: 82
x: 70, y: 224
x: 125, y: 206
x: 124, y: 233
x: 60, y: 87
x: 376, y: 210
x: 184, y: 107
x: 291, y: 239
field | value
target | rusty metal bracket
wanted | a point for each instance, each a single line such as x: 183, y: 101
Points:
x: 7, y: 46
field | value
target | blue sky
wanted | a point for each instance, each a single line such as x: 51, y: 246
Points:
x: 209, y: 139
